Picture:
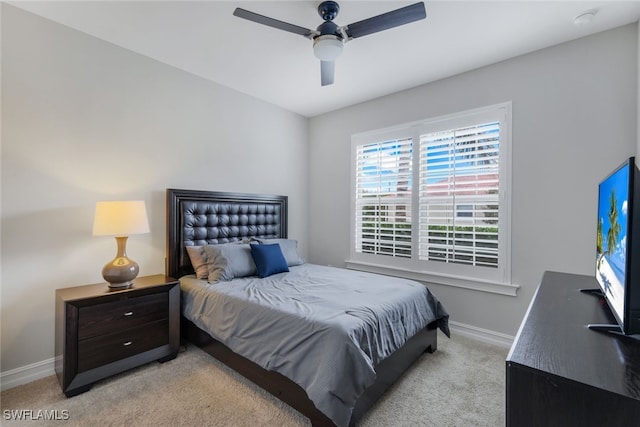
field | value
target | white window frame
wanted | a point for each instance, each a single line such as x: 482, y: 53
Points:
x: 489, y: 279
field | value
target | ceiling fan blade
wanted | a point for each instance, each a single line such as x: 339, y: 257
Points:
x: 327, y: 69
x: 270, y: 22
x: 395, y: 18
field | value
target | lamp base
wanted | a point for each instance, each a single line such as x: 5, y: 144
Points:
x: 120, y: 272
x: 124, y: 285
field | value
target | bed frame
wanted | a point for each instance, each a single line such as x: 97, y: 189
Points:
x: 205, y: 217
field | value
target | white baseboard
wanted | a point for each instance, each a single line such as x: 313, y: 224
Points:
x: 480, y: 334
x: 35, y: 371
x: 26, y: 374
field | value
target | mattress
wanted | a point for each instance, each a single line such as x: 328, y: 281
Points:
x: 324, y: 328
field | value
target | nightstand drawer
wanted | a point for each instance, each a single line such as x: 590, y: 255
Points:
x: 113, y: 316
x: 100, y: 350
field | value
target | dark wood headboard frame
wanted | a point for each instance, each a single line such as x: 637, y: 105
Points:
x: 222, y: 217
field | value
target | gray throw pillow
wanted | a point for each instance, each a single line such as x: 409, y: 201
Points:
x: 229, y: 261
x: 198, y: 261
x: 289, y: 250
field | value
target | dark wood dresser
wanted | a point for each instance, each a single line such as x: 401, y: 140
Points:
x: 101, y: 332
x: 560, y: 373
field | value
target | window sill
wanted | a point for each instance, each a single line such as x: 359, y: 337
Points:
x: 457, y: 281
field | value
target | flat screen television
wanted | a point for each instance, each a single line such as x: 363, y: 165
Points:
x: 618, y: 247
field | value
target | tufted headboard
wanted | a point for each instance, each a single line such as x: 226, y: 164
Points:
x: 211, y: 217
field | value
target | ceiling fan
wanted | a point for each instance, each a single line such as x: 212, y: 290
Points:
x: 329, y: 38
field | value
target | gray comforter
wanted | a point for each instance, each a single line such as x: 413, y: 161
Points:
x: 324, y: 328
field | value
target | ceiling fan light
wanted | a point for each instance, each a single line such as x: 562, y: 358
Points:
x: 327, y: 48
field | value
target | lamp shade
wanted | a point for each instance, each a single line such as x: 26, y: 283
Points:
x: 120, y: 218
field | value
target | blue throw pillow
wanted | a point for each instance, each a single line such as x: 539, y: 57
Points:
x: 268, y: 259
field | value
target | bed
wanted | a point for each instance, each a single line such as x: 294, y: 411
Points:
x: 366, y: 362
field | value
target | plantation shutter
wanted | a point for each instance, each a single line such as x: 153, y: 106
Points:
x: 459, y: 195
x: 383, y: 198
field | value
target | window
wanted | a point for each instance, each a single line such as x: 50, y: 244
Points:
x: 460, y: 166
x: 432, y: 198
x: 383, y: 198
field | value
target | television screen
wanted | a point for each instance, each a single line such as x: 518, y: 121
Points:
x: 612, y: 233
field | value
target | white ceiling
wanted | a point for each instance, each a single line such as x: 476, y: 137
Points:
x: 204, y: 38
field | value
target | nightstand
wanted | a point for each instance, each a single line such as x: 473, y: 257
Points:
x: 101, y: 332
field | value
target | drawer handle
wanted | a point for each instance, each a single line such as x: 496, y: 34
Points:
x: 128, y: 343
x: 129, y: 313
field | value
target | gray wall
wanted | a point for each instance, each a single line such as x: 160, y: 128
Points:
x: 574, y: 119
x: 84, y: 120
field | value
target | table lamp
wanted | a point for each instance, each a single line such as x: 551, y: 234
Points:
x: 120, y: 219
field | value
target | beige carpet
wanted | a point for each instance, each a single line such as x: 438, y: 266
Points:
x: 462, y: 384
